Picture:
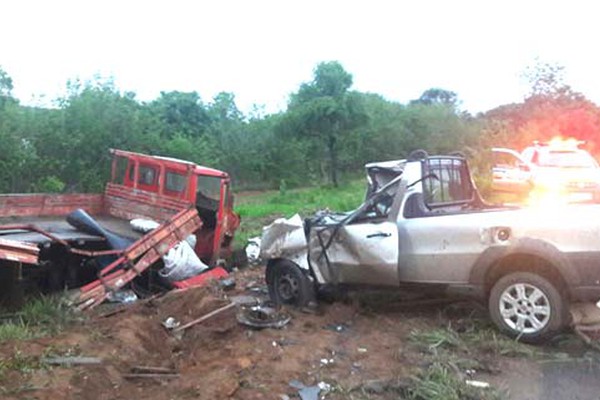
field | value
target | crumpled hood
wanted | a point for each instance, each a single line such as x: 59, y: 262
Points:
x: 283, y: 237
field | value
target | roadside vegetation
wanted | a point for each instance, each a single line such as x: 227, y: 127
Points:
x: 325, y: 135
x: 40, y: 316
x: 258, y: 209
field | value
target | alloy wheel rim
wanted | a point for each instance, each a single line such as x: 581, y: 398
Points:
x: 525, y: 308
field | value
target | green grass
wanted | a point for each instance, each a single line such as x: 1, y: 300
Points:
x: 441, y: 382
x: 258, y: 210
x: 484, y: 340
x: 41, y: 316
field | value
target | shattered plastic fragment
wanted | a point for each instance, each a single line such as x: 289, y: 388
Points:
x: 171, y: 323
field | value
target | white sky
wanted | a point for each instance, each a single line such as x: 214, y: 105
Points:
x: 263, y: 50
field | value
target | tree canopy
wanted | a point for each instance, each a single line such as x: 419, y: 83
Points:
x: 328, y: 131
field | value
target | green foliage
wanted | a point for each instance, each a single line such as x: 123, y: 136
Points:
x: 328, y: 131
x: 258, y: 210
x: 441, y: 382
x: 41, y: 316
x: 323, y: 111
x: 49, y: 184
x: 18, y: 362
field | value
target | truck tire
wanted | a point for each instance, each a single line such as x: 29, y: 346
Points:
x: 528, y: 307
x: 289, y: 285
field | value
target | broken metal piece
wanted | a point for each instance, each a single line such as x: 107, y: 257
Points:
x: 262, y: 316
x: 204, y: 317
x: 171, y: 323
x: 152, y: 376
x: 68, y: 361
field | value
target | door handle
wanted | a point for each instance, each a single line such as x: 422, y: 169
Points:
x: 379, y: 234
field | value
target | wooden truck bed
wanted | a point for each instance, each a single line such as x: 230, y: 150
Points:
x: 28, y: 221
x: 58, y: 227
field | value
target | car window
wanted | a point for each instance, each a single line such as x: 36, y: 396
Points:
x: 208, y: 192
x: 147, y: 175
x: 175, y: 182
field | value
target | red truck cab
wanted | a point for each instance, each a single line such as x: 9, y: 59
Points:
x: 170, y: 178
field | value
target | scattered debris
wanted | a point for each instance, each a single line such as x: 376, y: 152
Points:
x: 477, y: 384
x: 310, y: 392
x: 147, y: 372
x: 171, y: 323
x: 336, y: 327
x: 362, y: 349
x: 327, y: 361
x: 262, y: 316
x: 141, y: 369
x: 69, y: 361
x: 227, y: 283
x: 253, y: 251
x: 204, y: 317
x: 123, y: 296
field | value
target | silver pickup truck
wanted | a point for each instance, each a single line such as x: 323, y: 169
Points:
x: 424, y: 222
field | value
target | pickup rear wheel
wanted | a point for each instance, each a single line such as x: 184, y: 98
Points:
x: 528, y: 306
x: 289, y: 285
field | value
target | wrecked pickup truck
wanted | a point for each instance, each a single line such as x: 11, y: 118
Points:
x: 424, y: 224
x: 50, y: 242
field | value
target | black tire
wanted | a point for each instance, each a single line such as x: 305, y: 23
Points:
x: 528, y: 307
x: 289, y: 285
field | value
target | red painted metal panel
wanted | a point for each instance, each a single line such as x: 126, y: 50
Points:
x: 20, y: 252
x: 13, y: 205
x: 146, y: 251
x: 124, y: 202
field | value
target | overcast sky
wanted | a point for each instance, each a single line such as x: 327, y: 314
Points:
x: 263, y: 50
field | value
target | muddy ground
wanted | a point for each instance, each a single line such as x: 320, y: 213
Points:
x: 363, y: 347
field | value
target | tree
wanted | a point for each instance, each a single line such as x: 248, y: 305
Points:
x: 6, y: 87
x: 324, y: 109
x: 437, y: 96
x: 552, y: 108
x: 181, y: 113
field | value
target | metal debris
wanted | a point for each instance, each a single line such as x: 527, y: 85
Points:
x: 148, y: 372
x: 68, y: 361
x: 262, y: 316
x: 171, y: 323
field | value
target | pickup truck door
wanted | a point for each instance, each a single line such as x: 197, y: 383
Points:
x: 363, y: 253
x: 439, y: 238
x: 439, y: 248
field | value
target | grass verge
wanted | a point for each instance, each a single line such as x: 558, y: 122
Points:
x: 258, y: 210
x: 42, y: 316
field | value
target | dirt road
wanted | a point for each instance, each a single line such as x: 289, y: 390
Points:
x: 367, y: 347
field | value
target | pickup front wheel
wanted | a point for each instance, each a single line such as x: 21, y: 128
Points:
x: 289, y: 285
x: 528, y: 307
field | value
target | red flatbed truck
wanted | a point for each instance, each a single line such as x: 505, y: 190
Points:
x: 39, y: 248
